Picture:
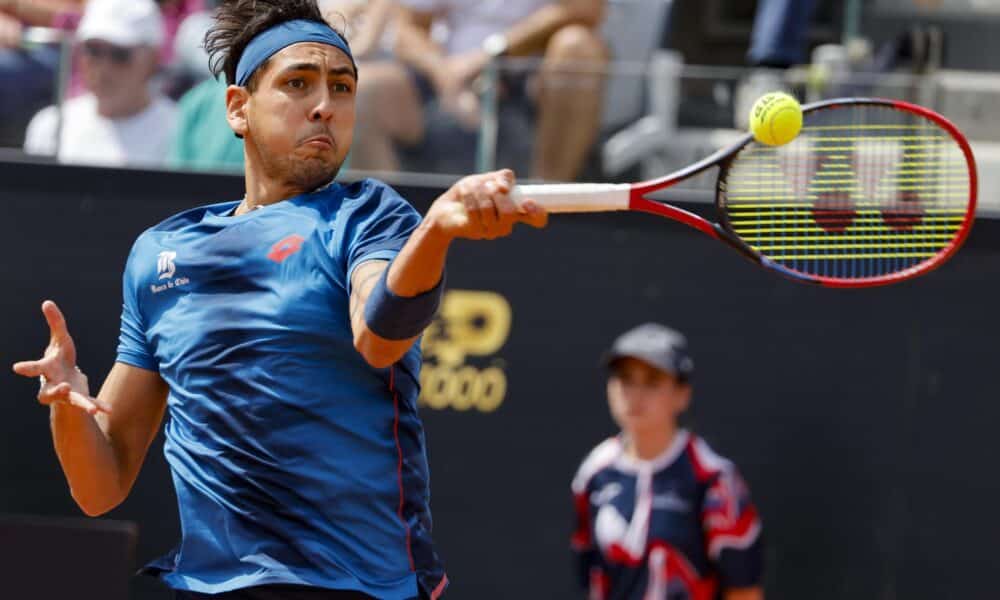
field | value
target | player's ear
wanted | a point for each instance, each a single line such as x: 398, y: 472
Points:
x: 236, y: 109
x: 683, y: 396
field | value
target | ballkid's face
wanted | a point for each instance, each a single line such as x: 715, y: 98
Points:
x: 642, y: 397
x: 300, y: 117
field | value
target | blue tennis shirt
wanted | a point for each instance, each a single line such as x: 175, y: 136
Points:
x: 294, y: 461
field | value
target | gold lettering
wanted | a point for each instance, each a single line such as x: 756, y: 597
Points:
x: 469, y: 324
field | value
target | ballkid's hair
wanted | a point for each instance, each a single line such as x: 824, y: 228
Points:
x: 238, y: 22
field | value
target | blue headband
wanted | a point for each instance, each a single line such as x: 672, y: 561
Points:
x: 279, y: 37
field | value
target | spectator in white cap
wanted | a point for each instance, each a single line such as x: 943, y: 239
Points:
x: 121, y: 120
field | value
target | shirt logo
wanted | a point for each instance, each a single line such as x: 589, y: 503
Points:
x: 165, y: 267
x: 606, y: 494
x: 671, y: 501
x: 165, y: 271
x: 285, y: 248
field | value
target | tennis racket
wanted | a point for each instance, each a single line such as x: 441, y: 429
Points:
x: 871, y: 192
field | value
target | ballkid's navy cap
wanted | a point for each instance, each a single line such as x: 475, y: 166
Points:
x: 658, y: 345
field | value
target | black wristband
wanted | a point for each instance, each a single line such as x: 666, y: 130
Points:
x: 398, y: 317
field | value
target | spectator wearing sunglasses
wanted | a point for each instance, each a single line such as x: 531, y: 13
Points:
x: 121, y: 119
x: 28, y: 68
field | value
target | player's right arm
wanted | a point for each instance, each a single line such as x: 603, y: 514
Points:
x: 101, y: 442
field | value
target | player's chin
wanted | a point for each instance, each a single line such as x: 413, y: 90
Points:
x: 318, y: 153
x: 312, y: 171
x: 637, y: 421
x: 632, y: 419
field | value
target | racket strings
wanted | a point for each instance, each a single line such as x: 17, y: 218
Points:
x: 865, y: 191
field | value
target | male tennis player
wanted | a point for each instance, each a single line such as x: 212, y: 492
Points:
x: 659, y: 515
x: 278, y: 332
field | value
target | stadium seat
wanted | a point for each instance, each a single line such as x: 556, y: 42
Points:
x: 633, y: 30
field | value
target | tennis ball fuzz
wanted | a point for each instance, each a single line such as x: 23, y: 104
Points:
x: 775, y: 119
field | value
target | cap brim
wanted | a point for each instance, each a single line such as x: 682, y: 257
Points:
x: 611, y: 357
x: 118, y: 37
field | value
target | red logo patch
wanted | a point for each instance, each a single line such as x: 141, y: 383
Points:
x: 286, y: 247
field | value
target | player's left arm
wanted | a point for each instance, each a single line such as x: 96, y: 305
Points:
x: 476, y: 207
x: 733, y: 529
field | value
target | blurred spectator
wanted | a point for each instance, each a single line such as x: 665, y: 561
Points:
x: 367, y: 25
x: 780, y: 33
x: 202, y: 139
x: 43, y: 13
x: 779, y: 40
x: 121, y: 120
x: 171, y: 82
x: 175, y: 12
x: 31, y: 71
x: 370, y: 28
x: 176, y: 76
x: 440, y: 78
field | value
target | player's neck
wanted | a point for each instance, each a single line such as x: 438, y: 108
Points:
x: 649, y: 444
x: 263, y: 195
x: 263, y: 190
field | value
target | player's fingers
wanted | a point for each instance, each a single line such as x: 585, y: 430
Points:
x: 503, y: 229
x: 56, y: 321
x: 63, y: 392
x: 485, y: 198
x: 534, y: 215
x: 507, y: 212
x: 470, y: 200
x: 29, y: 368
x: 91, y: 405
x: 51, y: 393
x: 505, y: 180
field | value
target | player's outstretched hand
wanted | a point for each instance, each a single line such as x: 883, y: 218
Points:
x: 61, y: 380
x: 479, y: 207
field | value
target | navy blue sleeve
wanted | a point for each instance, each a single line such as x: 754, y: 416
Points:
x: 377, y: 227
x: 591, y: 573
x: 133, y: 346
x: 733, y: 530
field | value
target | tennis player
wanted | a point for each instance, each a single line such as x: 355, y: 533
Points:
x: 278, y: 334
x: 659, y: 515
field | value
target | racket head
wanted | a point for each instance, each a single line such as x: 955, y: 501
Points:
x: 872, y: 192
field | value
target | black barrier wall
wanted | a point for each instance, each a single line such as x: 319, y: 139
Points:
x: 864, y: 421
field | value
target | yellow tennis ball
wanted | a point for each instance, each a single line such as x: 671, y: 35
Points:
x: 775, y: 119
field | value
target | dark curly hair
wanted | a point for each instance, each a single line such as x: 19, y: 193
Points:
x: 237, y: 22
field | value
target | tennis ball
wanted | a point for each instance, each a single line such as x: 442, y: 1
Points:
x: 775, y: 119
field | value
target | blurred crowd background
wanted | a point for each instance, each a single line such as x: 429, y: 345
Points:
x: 559, y: 90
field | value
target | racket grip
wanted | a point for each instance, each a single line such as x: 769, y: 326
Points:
x: 575, y: 197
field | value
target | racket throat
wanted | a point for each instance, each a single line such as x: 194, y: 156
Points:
x: 690, y: 219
